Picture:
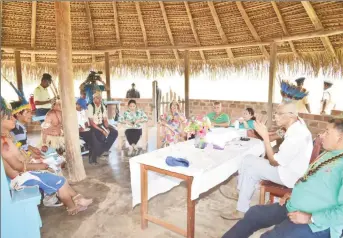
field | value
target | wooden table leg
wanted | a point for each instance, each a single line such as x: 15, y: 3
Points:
x: 190, y: 210
x: 144, y: 196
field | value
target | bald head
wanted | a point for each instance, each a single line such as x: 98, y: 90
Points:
x: 288, y: 107
x: 286, y: 114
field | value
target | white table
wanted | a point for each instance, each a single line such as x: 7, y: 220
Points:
x: 150, y: 175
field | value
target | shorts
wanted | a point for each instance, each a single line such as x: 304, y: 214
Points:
x: 48, y: 182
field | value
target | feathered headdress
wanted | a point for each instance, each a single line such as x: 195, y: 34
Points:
x: 20, y: 105
x: 5, y: 108
x: 290, y: 91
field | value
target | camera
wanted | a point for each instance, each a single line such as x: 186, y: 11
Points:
x: 94, y: 76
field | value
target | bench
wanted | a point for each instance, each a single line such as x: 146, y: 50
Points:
x: 20, y: 216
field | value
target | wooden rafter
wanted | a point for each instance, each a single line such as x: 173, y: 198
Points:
x: 145, y: 38
x: 166, y: 22
x: 284, y: 28
x: 116, y: 25
x: 90, y: 27
x: 33, y: 29
x: 319, y: 26
x: 196, y: 37
x: 220, y: 28
x: 251, y: 27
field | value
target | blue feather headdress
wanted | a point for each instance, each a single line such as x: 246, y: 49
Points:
x: 291, y: 92
x: 22, y: 104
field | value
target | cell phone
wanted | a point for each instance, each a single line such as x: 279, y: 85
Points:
x: 245, y: 138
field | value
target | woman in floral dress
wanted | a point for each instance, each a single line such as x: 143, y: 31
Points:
x: 133, y: 119
x: 172, y: 125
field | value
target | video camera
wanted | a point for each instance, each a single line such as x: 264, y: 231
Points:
x: 94, y: 76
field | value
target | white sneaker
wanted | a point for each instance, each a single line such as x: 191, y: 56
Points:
x: 51, y: 201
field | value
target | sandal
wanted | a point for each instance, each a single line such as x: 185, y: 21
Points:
x: 76, y: 210
x: 79, y: 200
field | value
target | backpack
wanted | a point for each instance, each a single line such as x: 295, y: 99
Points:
x: 102, y: 108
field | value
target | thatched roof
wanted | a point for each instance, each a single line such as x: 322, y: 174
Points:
x: 143, y: 35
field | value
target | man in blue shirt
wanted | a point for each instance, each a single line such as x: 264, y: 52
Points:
x: 315, y: 207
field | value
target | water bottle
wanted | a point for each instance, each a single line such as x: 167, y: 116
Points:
x: 236, y: 124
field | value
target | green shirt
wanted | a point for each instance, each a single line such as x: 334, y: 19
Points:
x: 132, y: 117
x: 322, y: 196
x: 222, y: 118
x: 250, y: 124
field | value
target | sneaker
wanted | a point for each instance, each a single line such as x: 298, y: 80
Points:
x: 52, y: 201
x: 228, y: 192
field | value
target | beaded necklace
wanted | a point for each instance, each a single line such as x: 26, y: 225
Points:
x: 316, y: 166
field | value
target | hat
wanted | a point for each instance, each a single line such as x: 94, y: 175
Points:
x: 300, y: 80
x: 18, y: 106
x: 97, y: 94
x: 133, y: 84
x: 82, y: 102
x: 328, y: 81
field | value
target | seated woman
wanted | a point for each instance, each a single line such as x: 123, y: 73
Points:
x: 23, y: 174
x: 247, y: 121
x: 82, y: 118
x: 52, y: 132
x: 133, y: 119
x: 103, y: 135
x: 172, y: 123
x: 218, y: 118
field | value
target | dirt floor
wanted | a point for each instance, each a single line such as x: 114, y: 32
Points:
x: 111, y: 214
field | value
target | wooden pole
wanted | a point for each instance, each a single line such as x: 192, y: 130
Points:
x: 18, y: 71
x: 107, y: 72
x: 154, y: 103
x: 187, y: 83
x: 66, y: 82
x: 272, y: 74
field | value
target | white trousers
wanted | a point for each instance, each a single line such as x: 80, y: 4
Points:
x: 252, y: 170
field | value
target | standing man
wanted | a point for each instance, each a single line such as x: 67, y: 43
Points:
x: 303, y: 105
x: 42, y: 98
x: 133, y: 93
x: 327, y: 100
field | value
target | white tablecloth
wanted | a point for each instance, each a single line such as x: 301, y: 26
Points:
x: 208, y: 167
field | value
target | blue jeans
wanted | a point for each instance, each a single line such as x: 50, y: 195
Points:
x: 41, y: 112
x: 264, y: 216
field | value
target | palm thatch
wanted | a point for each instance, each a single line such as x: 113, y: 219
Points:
x: 153, y: 36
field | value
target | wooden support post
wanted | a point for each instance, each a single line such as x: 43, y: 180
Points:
x: 154, y: 103
x: 64, y: 62
x: 18, y: 71
x: 187, y: 83
x: 272, y: 74
x: 190, y: 209
x: 108, y: 76
x: 144, y: 196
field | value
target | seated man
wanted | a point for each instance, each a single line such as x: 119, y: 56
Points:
x: 52, y: 132
x: 23, y: 174
x: 218, y: 118
x: 103, y: 136
x: 315, y: 207
x: 284, y: 167
x: 82, y: 118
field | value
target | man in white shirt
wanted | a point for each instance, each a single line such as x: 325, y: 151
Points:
x: 42, y: 98
x: 284, y: 167
x: 103, y: 135
x: 327, y: 101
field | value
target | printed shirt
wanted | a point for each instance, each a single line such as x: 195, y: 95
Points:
x: 322, y: 196
x: 19, y: 133
x: 222, y: 118
x: 42, y: 94
x: 132, y: 117
x: 294, y: 154
x: 98, y: 116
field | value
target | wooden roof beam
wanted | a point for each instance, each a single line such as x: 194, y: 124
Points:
x: 145, y: 38
x: 33, y: 29
x: 90, y: 28
x: 284, y: 28
x: 319, y: 26
x: 166, y: 22
x: 220, y: 28
x: 116, y: 26
x: 196, y: 37
x: 251, y: 27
